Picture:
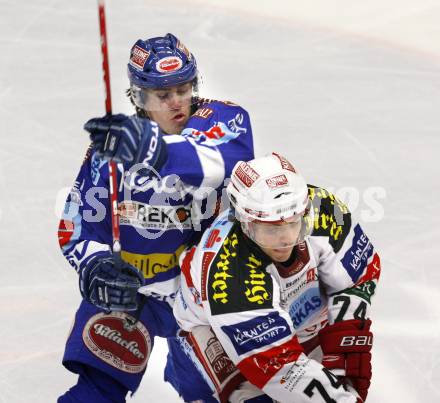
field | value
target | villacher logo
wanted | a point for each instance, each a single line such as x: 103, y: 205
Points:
x: 107, y: 337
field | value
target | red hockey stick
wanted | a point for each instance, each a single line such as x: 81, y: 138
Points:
x: 108, y: 108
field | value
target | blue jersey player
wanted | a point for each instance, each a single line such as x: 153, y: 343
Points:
x: 173, y: 157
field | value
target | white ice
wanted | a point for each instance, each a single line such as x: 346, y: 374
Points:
x: 350, y: 91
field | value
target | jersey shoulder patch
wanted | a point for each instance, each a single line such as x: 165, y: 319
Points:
x: 237, y: 279
x: 217, y: 122
x: 330, y: 218
x: 206, y: 108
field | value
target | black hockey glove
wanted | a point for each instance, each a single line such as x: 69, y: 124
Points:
x: 128, y: 140
x: 108, y: 286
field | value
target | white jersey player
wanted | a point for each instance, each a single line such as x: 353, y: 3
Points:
x: 284, y: 281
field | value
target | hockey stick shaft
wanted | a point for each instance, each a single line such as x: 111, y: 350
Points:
x: 113, y: 176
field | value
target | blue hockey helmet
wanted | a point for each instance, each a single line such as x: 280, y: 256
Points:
x: 160, y: 62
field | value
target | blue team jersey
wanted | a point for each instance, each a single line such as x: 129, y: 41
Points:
x: 157, y: 214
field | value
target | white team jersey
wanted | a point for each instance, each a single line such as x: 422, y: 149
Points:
x: 261, y: 312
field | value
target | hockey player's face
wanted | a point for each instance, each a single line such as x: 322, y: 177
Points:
x: 277, y: 240
x: 170, y: 107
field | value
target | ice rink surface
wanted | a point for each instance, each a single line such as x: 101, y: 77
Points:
x: 350, y: 93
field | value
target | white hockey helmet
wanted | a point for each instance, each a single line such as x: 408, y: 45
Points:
x: 268, y: 190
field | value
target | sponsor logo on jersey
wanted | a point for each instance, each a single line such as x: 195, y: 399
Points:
x: 126, y: 348
x: 293, y: 288
x: 154, y: 263
x: 235, y: 124
x: 218, y: 360
x: 293, y: 282
x: 138, y: 57
x: 305, y: 306
x: 220, y: 273
x: 256, y: 287
x: 214, y: 133
x: 277, y: 181
x: 327, y: 223
x: 330, y: 217
x: 217, y: 134
x: 295, y: 373
x: 246, y: 174
x: 257, y: 332
x: 292, y: 293
x: 145, y: 216
x: 237, y: 281
x: 169, y: 64
x: 203, y: 113
x: 213, y: 238
x: 356, y: 258
x: 265, y: 364
x: 170, y: 184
